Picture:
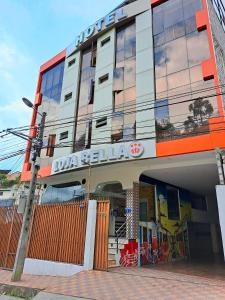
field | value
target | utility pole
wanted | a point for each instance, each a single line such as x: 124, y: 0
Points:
x: 22, y: 245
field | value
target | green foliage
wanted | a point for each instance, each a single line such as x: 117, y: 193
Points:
x: 201, y: 110
x: 5, y: 183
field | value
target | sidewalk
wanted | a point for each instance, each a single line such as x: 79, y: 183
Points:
x: 125, y: 283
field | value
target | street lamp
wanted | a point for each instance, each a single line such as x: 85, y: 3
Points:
x: 23, y: 240
x: 28, y: 103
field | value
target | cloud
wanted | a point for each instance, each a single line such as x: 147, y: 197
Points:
x: 14, y: 111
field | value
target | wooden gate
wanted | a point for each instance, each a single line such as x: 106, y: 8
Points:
x: 10, y: 227
x: 101, y: 236
x: 58, y: 232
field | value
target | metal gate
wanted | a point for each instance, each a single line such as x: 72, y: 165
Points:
x: 58, y: 232
x: 10, y: 227
x: 101, y: 236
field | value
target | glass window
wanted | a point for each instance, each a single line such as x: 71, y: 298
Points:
x: 51, y: 145
x: 176, y: 55
x: 117, y: 126
x: 173, y: 12
x: 63, y: 193
x: 178, y: 79
x: 198, y: 48
x: 161, y: 85
x: 124, y: 83
x: 118, y: 79
x: 129, y: 73
x: 129, y: 126
x: 190, y: 7
x: 129, y: 96
x: 160, y: 62
x: 161, y: 110
x: 130, y: 41
x: 119, y: 96
x: 190, y: 25
x: 173, y: 204
x: 158, y: 20
x: 196, y: 73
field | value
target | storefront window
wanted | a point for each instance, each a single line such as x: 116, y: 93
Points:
x: 179, y: 50
x: 63, y: 193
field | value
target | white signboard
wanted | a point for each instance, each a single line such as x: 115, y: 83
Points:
x: 104, y: 154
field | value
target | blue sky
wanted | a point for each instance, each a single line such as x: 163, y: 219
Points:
x: 31, y: 32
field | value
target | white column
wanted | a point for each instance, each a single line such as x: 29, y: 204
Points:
x: 90, y: 235
x: 220, y: 192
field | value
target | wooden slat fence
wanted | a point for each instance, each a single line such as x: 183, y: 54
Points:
x: 10, y: 227
x: 101, y: 236
x: 58, y: 232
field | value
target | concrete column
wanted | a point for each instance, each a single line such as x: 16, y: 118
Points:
x: 132, y: 217
x: 90, y: 235
x: 220, y: 192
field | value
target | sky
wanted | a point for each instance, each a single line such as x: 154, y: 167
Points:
x: 31, y: 32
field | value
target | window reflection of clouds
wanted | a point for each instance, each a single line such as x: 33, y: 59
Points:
x: 84, y: 108
x: 123, y: 127
x: 179, y: 51
x: 51, y: 87
x: 198, y: 48
x: 176, y: 55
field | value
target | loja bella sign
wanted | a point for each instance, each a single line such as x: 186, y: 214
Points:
x: 114, y: 17
x: 105, y: 154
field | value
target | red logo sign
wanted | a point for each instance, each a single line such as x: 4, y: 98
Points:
x: 136, y: 149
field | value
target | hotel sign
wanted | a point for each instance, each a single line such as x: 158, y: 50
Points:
x: 103, y: 155
x: 112, y: 18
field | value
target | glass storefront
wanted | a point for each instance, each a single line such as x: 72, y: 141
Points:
x: 179, y: 50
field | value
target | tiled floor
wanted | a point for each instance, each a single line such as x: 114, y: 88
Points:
x: 127, y: 283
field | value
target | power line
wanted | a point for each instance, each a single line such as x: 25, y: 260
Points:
x: 132, y: 103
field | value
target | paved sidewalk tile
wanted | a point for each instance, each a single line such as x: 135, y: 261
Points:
x: 124, y: 283
x: 4, y: 297
x: 48, y: 296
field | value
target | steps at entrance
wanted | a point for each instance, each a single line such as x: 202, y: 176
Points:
x: 113, y: 256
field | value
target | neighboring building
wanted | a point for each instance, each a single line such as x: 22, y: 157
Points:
x: 9, y: 192
x: 135, y: 111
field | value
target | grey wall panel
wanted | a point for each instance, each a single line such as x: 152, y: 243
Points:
x: 67, y: 108
x: 219, y: 43
x: 103, y: 99
x: 145, y: 83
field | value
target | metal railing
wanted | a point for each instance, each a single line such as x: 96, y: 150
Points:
x: 120, y: 232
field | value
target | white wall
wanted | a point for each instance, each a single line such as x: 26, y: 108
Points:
x: 145, y: 83
x: 103, y: 99
x: 220, y: 192
x: 67, y: 108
